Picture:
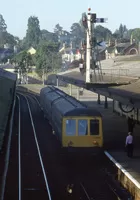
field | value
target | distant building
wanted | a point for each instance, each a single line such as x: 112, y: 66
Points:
x: 110, y: 52
x: 15, y: 49
x: 31, y: 50
x: 4, y: 53
x: 7, y: 46
x: 69, y: 54
x: 132, y: 49
x: 121, y: 49
x: 8, y: 67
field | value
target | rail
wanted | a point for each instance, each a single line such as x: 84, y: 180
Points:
x: 38, y: 149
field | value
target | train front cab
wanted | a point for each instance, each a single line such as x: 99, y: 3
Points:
x: 82, y: 133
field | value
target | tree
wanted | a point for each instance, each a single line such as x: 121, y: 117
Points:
x: 33, y: 33
x: 3, y: 30
x: 23, y: 61
x: 47, y: 57
x: 48, y: 36
x: 10, y: 39
x: 121, y: 33
x: 3, y: 25
x: 136, y: 34
x: 83, y: 21
x: 58, y: 29
x: 102, y: 33
x: 77, y: 33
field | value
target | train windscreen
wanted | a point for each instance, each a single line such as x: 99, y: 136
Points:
x: 94, y: 127
x: 70, y: 127
x: 82, y: 127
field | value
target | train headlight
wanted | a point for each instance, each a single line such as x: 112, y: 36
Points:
x: 95, y: 142
x: 70, y: 188
x: 70, y: 143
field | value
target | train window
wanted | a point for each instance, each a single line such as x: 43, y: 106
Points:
x: 94, y: 127
x: 71, y: 127
x: 82, y: 127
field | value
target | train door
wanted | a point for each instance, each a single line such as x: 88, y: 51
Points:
x: 95, y: 131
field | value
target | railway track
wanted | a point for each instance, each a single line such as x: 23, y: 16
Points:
x: 36, y: 169
x: 26, y: 169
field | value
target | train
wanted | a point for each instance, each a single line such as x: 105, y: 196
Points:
x: 77, y: 127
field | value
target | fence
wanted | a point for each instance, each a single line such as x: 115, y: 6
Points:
x: 110, y: 75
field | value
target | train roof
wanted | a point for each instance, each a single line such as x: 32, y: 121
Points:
x: 8, y: 75
x: 64, y: 95
x: 68, y: 105
x: 83, y: 112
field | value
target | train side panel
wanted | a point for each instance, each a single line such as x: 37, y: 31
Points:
x: 59, y: 107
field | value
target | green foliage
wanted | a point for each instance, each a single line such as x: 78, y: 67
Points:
x: 83, y: 21
x: 78, y: 33
x: 102, y: 33
x: 3, y: 25
x: 3, y: 30
x: 23, y: 60
x: 136, y: 34
x: 121, y: 30
x: 5, y: 59
x: 58, y: 29
x: 121, y: 33
x: 33, y: 34
x: 6, y: 37
x: 10, y: 39
x: 47, y: 36
x: 47, y: 57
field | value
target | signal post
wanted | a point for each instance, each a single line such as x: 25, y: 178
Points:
x: 88, y: 22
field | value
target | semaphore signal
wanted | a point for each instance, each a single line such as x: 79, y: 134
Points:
x: 88, y: 22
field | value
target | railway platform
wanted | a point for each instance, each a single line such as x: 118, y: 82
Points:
x: 115, y: 132
x: 128, y: 170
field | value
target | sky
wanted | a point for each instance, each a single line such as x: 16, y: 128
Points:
x: 52, y: 12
